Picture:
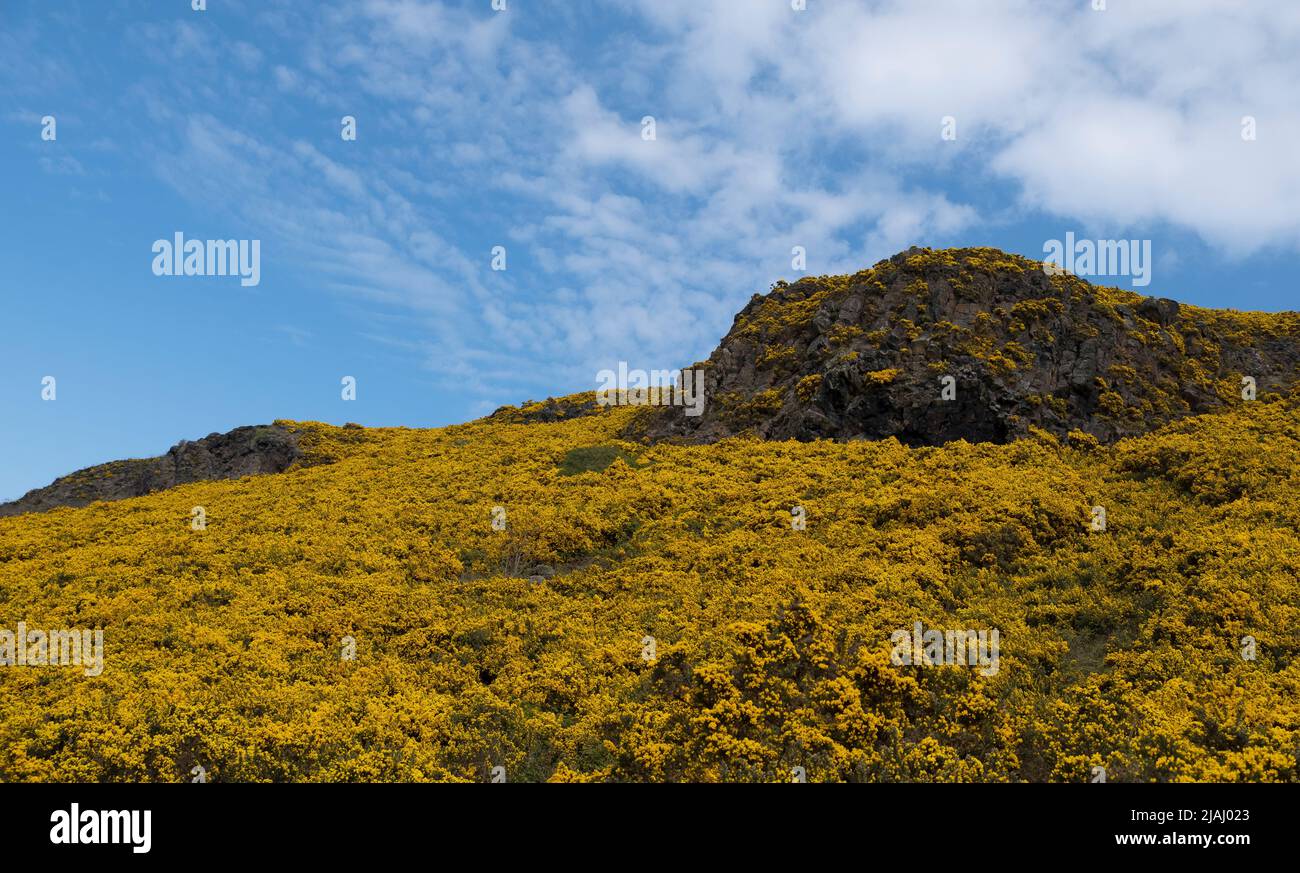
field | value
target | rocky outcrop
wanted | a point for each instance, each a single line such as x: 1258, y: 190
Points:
x: 550, y: 410
x: 244, y: 451
x: 976, y: 344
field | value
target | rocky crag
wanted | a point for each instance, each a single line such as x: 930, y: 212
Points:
x: 244, y: 451
x: 976, y: 344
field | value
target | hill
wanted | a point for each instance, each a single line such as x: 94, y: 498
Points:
x: 563, y: 591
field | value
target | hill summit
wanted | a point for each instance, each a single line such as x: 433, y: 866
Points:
x: 931, y: 346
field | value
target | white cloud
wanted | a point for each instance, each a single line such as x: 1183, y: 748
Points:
x: 1117, y: 117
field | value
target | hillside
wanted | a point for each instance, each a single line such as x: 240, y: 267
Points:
x: 574, y: 592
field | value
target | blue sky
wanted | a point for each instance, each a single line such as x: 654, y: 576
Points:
x: 774, y: 128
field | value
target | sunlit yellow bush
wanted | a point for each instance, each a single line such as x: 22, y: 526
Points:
x: 525, y: 647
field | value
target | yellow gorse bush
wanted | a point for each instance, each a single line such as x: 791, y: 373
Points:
x: 524, y: 645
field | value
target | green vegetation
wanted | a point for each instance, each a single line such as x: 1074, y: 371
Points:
x: 593, y: 459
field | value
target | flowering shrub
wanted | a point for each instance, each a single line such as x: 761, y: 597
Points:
x: 1120, y: 647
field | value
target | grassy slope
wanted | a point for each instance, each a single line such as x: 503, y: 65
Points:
x: 1119, y: 649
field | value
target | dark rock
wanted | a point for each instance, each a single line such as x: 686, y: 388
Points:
x: 244, y: 451
x: 1158, y: 309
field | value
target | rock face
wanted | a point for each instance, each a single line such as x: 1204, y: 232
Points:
x: 975, y: 344
x: 243, y: 451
